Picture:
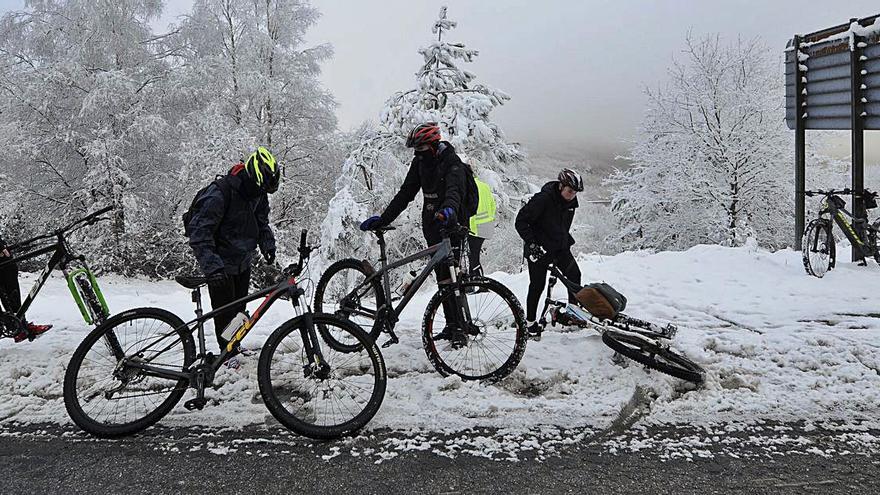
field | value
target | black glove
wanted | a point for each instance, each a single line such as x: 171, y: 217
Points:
x: 217, y: 278
x: 269, y: 256
x: 535, y: 252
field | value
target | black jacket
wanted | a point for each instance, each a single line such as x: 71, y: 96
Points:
x: 443, y: 182
x: 546, y: 219
x: 224, y: 237
x: 2, y: 243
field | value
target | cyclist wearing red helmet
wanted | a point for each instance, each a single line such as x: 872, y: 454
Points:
x: 440, y: 174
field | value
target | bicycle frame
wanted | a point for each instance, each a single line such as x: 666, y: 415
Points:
x: 839, y: 215
x: 621, y: 322
x: 287, y: 287
x: 556, y: 274
x: 62, y: 257
x: 438, y: 254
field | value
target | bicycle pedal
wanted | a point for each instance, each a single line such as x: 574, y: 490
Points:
x: 196, y: 403
x: 390, y: 342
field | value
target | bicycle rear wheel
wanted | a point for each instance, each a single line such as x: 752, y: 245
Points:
x: 818, y: 247
x: 107, y: 398
x: 333, y: 398
x: 648, y: 352
x: 494, y: 342
x: 335, y: 294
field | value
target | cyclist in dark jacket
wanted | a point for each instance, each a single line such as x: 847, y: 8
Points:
x: 230, y: 221
x: 544, y: 224
x: 440, y: 174
x: 10, y: 294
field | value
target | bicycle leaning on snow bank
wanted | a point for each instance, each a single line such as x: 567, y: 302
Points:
x: 130, y: 371
x: 80, y: 279
x: 599, y: 307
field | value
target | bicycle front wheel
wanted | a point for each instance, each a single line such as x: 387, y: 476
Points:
x: 818, y: 247
x: 107, y: 397
x: 324, y: 396
x: 493, y: 341
x: 653, y: 355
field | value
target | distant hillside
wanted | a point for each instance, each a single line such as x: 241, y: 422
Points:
x: 594, y: 162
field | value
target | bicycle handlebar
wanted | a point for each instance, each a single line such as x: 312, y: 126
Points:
x: 847, y: 191
x: 87, y: 220
x: 305, y: 252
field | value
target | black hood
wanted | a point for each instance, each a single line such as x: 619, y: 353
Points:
x: 552, y: 188
x: 241, y: 182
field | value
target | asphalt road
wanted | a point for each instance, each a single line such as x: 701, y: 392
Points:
x: 778, y: 459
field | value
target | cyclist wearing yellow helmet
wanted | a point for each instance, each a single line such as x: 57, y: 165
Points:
x: 228, y: 221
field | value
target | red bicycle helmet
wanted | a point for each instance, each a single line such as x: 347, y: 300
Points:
x: 428, y: 133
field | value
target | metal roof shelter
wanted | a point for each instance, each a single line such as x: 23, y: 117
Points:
x: 832, y: 82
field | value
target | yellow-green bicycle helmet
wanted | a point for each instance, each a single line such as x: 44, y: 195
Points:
x: 262, y: 168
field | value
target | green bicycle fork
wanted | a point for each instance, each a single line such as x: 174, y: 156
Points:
x: 77, y: 296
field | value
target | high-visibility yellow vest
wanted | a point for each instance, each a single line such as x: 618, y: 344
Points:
x: 482, y: 224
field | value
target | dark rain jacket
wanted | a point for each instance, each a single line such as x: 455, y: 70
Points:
x: 546, y: 219
x: 443, y: 182
x: 224, y: 235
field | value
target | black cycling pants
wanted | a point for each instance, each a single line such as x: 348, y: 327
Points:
x: 566, y: 263
x: 10, y: 293
x: 234, y: 287
x: 475, y: 245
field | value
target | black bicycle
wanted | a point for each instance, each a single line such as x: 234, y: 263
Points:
x: 80, y: 280
x: 818, y: 245
x: 130, y: 371
x: 639, y: 340
x: 485, y: 336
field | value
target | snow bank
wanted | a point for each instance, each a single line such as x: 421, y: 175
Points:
x: 778, y: 346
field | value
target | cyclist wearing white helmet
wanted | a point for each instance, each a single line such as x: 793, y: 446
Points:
x: 544, y: 224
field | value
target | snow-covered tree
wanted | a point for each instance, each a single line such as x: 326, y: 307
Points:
x: 80, y: 125
x: 99, y: 110
x: 248, y: 79
x: 712, y: 160
x: 444, y: 93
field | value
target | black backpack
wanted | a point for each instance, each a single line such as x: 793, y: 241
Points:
x: 472, y: 194
x: 225, y: 188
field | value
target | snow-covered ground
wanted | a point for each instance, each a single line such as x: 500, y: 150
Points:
x: 777, y: 345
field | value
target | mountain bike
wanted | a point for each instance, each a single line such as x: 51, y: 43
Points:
x: 639, y: 340
x: 134, y: 368
x: 80, y: 280
x: 485, y: 336
x: 819, y: 251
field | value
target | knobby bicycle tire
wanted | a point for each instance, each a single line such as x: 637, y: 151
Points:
x: 102, y: 335
x: 275, y: 393
x: 321, y: 305
x: 647, y: 352
x: 816, y: 227
x: 453, y: 363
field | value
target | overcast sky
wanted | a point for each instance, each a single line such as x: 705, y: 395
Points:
x: 576, y: 69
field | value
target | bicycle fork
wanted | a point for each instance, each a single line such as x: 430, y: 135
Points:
x: 317, y: 366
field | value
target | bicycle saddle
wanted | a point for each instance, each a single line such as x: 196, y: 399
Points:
x: 191, y: 282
